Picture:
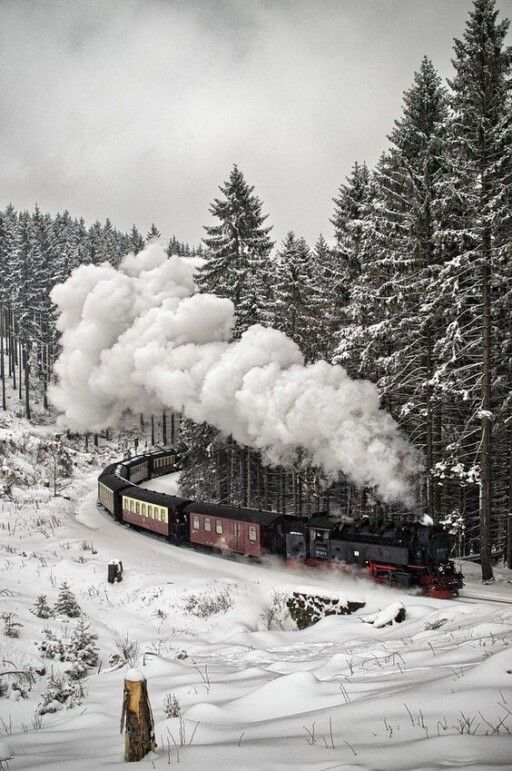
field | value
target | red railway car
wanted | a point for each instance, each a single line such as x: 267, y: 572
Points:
x: 153, y: 511
x: 241, y: 531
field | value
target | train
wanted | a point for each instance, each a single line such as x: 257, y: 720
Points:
x: 402, y: 554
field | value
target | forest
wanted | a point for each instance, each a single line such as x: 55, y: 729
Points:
x: 411, y: 288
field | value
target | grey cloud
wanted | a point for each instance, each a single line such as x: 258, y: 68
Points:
x: 136, y: 110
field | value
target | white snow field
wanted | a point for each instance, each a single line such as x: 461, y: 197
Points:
x: 434, y: 692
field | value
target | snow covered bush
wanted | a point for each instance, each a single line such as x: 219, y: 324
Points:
x: 205, y: 604
x: 67, y: 604
x: 60, y: 693
x: 41, y: 608
x: 128, y: 652
x: 51, y: 646
x: 172, y: 707
x: 11, y: 625
x: 82, y: 647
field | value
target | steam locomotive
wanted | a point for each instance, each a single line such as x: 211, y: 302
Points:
x: 404, y: 555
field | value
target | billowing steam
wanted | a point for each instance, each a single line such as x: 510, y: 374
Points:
x: 139, y: 338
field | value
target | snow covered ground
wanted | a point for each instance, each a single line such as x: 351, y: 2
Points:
x: 432, y: 692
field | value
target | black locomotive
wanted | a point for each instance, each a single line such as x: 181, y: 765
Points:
x: 406, y: 554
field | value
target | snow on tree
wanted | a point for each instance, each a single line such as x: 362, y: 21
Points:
x: 153, y: 233
x: 41, y: 608
x: 237, y: 259
x: 480, y: 168
x: 81, y: 649
x: 67, y: 604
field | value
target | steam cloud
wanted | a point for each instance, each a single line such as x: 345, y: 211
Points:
x: 139, y: 338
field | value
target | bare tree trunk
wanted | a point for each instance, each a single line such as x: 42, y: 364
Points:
x: 508, y: 550
x: 173, y: 429
x: 20, y: 356
x: 164, y: 428
x: 2, y: 362
x: 486, y: 417
x: 152, y: 430
x: 26, y: 367
x: 429, y: 439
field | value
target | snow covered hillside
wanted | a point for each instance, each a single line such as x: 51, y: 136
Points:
x: 245, y: 689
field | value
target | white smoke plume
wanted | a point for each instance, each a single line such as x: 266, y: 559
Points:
x: 140, y: 338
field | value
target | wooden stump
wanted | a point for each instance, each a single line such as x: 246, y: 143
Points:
x: 137, y: 718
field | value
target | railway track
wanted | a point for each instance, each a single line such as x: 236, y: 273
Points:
x: 471, y: 598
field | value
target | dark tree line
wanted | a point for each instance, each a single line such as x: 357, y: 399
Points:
x: 38, y: 251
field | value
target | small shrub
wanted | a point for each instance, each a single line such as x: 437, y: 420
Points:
x: 172, y: 707
x: 3, y: 688
x: 77, y: 671
x: 60, y: 693
x: 205, y: 604
x: 82, y: 645
x: 41, y: 608
x: 12, y: 627
x: 67, y: 604
x: 51, y: 646
x: 128, y: 652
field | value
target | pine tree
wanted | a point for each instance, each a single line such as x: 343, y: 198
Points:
x: 67, y: 604
x: 481, y: 172
x: 293, y: 311
x: 153, y: 233
x: 236, y: 263
x: 136, y: 242
x: 82, y: 646
x: 41, y: 608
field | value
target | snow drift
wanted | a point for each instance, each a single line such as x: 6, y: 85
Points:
x: 140, y: 338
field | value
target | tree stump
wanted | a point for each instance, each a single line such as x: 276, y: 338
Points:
x: 136, y: 718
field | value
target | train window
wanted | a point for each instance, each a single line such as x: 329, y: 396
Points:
x: 144, y: 512
x: 164, y: 517
x: 195, y: 523
x: 218, y: 527
x: 207, y: 524
x: 137, y: 507
x: 252, y: 533
x: 150, y: 511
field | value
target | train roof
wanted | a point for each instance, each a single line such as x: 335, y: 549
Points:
x: 233, y: 512
x: 176, y: 449
x: 110, y: 469
x: 322, y: 521
x: 113, y: 481
x: 159, y: 499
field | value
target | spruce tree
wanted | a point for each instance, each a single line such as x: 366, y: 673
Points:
x: 67, y: 604
x: 481, y: 174
x: 153, y: 233
x: 293, y: 309
x: 136, y: 242
x: 41, y: 608
x: 236, y: 262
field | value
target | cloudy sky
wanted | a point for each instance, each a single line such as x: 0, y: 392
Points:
x: 137, y: 109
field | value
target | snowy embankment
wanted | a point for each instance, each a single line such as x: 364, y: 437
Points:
x: 251, y: 691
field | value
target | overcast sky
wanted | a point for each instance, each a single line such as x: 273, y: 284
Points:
x: 137, y: 110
